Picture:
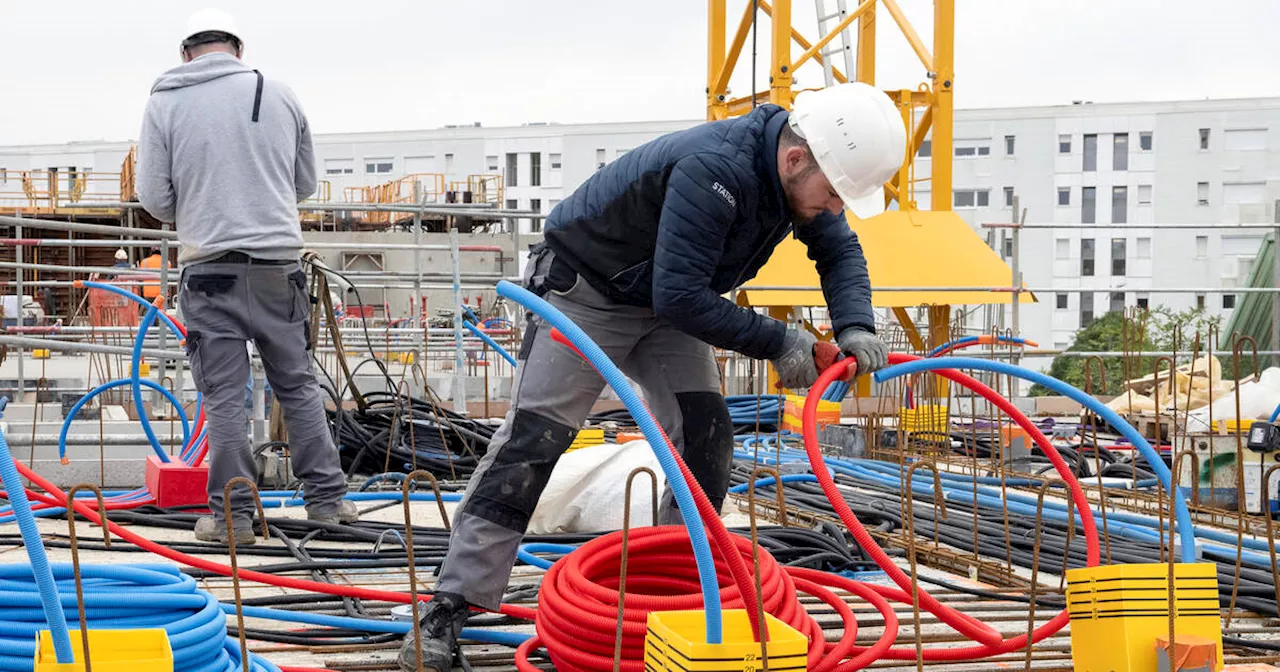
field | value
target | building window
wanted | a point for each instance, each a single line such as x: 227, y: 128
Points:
x: 984, y: 151
x: 968, y: 198
x: 1202, y: 193
x: 1204, y: 138
x: 535, y: 205
x: 1008, y: 247
x: 535, y: 169
x: 1199, y: 301
x: 1008, y: 197
x: 1118, y: 256
x: 1088, y: 205
x: 1143, y: 302
x: 1090, y: 153
x: 1244, y: 193
x: 1143, y: 250
x: 1228, y: 301
x: 1062, y: 301
x: 1064, y: 195
x: 512, y: 165
x: 1120, y: 152
x: 377, y: 166
x: 599, y: 158
x: 1062, y: 248
x: 926, y: 149
x: 1064, y: 144
x: 1008, y: 145
x: 492, y: 163
x: 554, y: 160
x: 1144, y: 194
x: 966, y: 151
x: 1244, y: 139
x: 1202, y: 247
x: 1145, y: 141
x: 337, y: 166
x: 1117, y: 302
x: 1086, y: 309
x: 1086, y: 257
x: 513, y: 204
x: 1119, y: 205
x: 621, y: 152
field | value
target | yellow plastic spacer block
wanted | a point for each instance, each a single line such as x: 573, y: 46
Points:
x: 793, y: 413
x: 676, y: 642
x: 110, y: 651
x: 1118, y: 611
x: 923, y: 418
x: 40, y: 353
x: 144, y: 369
x: 587, y: 438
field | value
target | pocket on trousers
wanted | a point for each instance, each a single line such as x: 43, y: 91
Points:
x: 193, y: 359
x: 300, y: 310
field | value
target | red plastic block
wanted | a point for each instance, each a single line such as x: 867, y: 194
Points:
x: 174, y: 483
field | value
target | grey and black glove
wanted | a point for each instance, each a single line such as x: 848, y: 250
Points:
x: 796, y: 369
x: 864, y: 346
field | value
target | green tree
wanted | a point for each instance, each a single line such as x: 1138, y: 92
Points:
x: 1158, y: 330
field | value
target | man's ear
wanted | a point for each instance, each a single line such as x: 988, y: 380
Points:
x: 793, y: 158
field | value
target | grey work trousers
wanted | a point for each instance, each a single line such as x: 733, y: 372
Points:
x: 552, y: 394
x: 225, y: 305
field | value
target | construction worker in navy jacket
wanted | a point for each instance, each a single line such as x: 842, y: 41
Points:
x: 640, y: 256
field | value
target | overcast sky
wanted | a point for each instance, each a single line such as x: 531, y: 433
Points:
x: 81, y: 69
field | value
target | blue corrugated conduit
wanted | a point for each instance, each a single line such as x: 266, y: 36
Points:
x: 123, y: 597
x: 46, y: 592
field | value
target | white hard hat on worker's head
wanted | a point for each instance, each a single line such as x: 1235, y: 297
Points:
x: 121, y: 255
x: 210, y: 20
x: 857, y: 137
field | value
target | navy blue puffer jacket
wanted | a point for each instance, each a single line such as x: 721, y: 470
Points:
x: 679, y: 221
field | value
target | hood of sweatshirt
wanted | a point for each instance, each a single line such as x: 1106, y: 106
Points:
x: 203, y: 69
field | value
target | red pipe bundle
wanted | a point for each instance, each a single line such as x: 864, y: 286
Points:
x: 578, y: 601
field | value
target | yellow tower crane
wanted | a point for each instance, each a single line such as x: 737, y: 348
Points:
x: 915, y: 257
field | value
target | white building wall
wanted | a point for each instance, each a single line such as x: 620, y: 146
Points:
x: 1240, y: 170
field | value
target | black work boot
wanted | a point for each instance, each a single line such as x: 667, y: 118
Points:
x: 439, y: 628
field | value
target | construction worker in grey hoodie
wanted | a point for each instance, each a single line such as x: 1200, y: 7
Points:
x: 226, y: 154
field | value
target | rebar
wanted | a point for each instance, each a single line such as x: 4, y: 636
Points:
x: 75, y: 558
x: 939, y: 504
x: 231, y: 550
x: 622, y: 570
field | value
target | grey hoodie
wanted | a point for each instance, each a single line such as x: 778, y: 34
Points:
x: 229, y: 182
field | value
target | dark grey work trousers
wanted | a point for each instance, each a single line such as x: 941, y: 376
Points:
x: 552, y: 394
x: 225, y: 305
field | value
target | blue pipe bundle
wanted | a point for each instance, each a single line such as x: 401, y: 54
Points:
x: 122, y: 597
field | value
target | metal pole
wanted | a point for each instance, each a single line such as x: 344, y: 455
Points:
x: 414, y: 310
x: 459, y: 377
x: 259, y: 394
x: 22, y: 356
x: 1017, y: 276
x: 80, y: 227
x: 1275, y: 280
x: 70, y: 346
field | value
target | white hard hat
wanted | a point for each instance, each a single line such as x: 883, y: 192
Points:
x: 858, y: 138
x: 210, y: 20
x: 121, y: 255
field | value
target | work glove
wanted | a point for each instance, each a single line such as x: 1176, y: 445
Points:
x: 871, y: 352
x: 803, y: 358
x: 796, y: 366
